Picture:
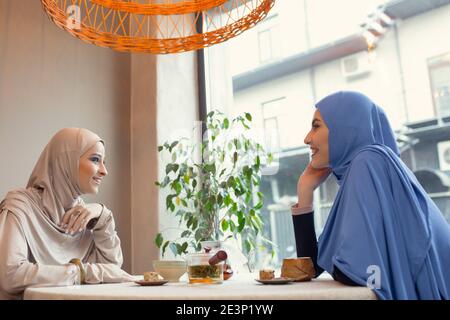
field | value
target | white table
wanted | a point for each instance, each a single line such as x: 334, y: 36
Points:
x: 239, y: 287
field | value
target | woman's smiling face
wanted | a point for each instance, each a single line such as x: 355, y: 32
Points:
x: 92, y: 169
x: 317, y: 139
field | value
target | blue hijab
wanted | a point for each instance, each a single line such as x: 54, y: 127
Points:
x: 383, y: 230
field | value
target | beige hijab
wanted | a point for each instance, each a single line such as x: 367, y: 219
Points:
x: 53, y: 189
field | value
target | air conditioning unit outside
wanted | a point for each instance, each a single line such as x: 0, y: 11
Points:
x: 356, y: 65
x: 444, y: 155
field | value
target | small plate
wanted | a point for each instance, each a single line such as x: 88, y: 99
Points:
x: 275, y: 281
x: 152, y: 283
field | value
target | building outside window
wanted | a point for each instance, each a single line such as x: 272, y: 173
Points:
x: 292, y: 55
x: 268, y: 39
x: 439, y: 69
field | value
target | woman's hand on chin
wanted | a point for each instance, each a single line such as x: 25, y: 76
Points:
x: 76, y: 219
x: 310, y: 179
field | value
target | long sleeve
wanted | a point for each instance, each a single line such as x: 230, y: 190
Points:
x: 17, y: 272
x: 305, y: 238
x: 306, y: 242
x: 104, y: 262
x: 107, y: 247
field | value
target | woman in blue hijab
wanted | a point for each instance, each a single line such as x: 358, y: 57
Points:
x: 383, y: 230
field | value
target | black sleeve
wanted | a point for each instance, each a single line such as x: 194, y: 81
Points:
x: 305, y: 238
x: 306, y: 242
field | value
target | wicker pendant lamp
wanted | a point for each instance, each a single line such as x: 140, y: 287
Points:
x: 156, y: 26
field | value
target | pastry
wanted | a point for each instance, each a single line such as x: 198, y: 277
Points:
x: 152, y: 276
x: 266, y: 274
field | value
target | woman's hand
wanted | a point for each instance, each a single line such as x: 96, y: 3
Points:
x: 77, y: 218
x: 310, y: 179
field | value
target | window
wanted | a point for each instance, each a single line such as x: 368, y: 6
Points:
x: 268, y: 39
x: 270, y: 112
x: 305, y: 65
x: 439, y: 69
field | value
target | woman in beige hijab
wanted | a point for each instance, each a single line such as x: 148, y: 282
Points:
x: 47, y: 225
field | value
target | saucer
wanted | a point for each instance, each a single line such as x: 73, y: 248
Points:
x: 152, y: 283
x: 275, y: 281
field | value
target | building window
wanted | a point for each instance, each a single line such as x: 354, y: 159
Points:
x: 270, y: 112
x: 439, y: 69
x: 268, y: 39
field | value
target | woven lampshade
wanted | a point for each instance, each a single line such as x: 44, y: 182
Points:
x: 152, y: 26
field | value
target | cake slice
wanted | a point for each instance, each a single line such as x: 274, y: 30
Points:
x: 152, y: 276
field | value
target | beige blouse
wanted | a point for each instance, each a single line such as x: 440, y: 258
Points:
x: 19, y: 270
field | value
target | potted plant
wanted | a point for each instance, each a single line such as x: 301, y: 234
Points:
x: 212, y: 186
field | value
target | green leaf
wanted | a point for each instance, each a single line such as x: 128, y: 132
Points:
x: 173, y: 145
x: 248, y: 245
x: 210, y: 168
x: 258, y: 206
x: 224, y: 225
x: 246, y: 144
x: 172, y: 167
x: 174, y: 157
x: 208, y: 206
x: 194, y: 223
x: 248, y: 116
x: 158, y: 240
x: 227, y: 200
x: 222, y: 172
x: 189, y: 222
x: 180, y: 213
x: 164, y: 247
x: 219, y: 199
x: 247, y: 172
x: 186, y: 178
x: 235, y: 157
x: 260, y: 195
x: 194, y: 183
x: 237, y: 144
x: 177, y: 187
x: 210, y: 114
x: 173, y: 248
x: 248, y: 197
x: 169, y: 204
x: 259, y: 222
x: 184, y: 247
x: 157, y: 183
x: 226, y: 123
x: 232, y: 226
x: 241, y: 222
x: 165, y: 182
x: 186, y: 233
x: 160, y: 148
x: 198, y: 235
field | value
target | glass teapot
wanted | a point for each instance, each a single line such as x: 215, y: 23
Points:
x: 206, y: 267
